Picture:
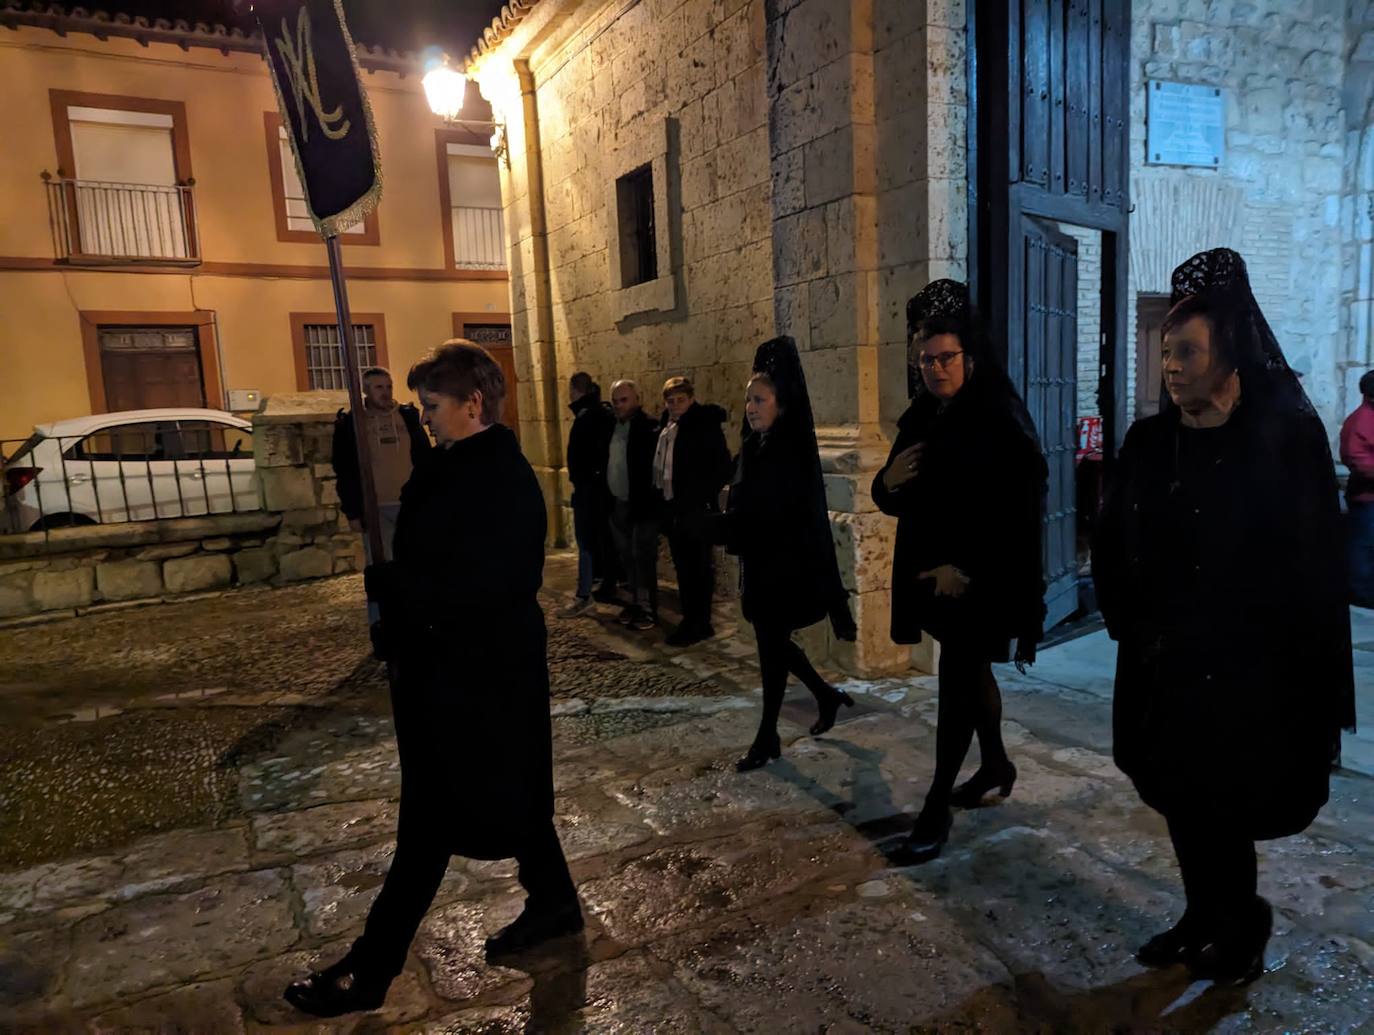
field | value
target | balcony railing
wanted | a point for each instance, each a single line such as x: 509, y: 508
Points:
x: 96, y: 223
x: 479, y: 238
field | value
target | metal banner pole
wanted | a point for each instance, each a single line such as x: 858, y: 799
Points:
x: 372, y: 526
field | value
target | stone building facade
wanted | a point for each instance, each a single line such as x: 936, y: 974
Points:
x: 808, y: 167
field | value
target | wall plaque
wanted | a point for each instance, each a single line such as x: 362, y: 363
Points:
x: 1185, y: 124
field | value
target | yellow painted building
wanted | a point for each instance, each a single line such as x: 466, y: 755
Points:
x: 153, y: 250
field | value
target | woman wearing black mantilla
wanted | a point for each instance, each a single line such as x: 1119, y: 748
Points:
x: 966, y: 482
x: 1219, y: 572
x: 460, y: 620
x: 778, y: 523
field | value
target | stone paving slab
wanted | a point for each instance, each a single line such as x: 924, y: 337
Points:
x: 716, y: 901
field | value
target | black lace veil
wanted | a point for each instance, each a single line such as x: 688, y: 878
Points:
x: 778, y: 360
x: 1265, y: 376
x: 943, y: 306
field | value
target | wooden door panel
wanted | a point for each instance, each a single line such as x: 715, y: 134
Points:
x: 1050, y: 319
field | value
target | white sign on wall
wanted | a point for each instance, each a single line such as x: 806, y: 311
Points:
x: 1185, y: 124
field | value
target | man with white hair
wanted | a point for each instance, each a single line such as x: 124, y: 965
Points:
x: 635, y: 502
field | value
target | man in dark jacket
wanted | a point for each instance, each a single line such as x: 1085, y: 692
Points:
x: 588, y: 442
x: 691, y: 466
x: 396, y: 444
x: 635, y: 502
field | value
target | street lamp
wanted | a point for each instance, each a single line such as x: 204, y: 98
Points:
x: 445, y: 88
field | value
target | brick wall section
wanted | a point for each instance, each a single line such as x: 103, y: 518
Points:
x: 1277, y: 196
x: 1089, y: 317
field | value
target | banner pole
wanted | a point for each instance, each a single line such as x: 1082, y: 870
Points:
x: 372, y: 526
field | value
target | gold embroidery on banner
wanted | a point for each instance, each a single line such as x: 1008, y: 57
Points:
x: 299, y: 58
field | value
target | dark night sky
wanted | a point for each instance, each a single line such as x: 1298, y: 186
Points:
x: 400, y: 24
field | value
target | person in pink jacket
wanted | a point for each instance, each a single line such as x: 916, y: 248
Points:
x: 1357, y: 453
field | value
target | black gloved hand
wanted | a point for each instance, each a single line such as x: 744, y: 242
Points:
x: 382, y: 582
x: 842, y: 621
x: 382, y: 647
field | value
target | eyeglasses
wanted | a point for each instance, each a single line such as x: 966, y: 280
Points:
x: 940, y: 359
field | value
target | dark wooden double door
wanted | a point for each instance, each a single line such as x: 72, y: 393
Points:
x: 1049, y: 147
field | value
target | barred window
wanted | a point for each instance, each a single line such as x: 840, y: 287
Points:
x: 324, y: 359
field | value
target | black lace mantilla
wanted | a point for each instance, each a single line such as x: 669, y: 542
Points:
x: 938, y: 298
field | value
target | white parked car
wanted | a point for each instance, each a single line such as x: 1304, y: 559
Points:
x: 132, y: 466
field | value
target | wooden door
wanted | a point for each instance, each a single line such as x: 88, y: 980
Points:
x: 1050, y: 318
x: 151, y: 367
x: 496, y: 339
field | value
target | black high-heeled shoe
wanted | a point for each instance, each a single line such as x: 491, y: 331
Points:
x: 759, y: 754
x: 829, y: 710
x: 337, y: 990
x: 927, y: 838
x: 1176, y: 945
x: 1236, y: 958
x: 970, y: 793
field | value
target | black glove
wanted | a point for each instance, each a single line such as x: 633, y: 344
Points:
x: 383, y: 649
x: 382, y: 581
x: 841, y: 621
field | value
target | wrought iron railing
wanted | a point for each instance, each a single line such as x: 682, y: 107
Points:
x: 127, y: 473
x: 95, y: 222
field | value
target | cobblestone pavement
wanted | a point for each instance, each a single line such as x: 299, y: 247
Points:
x: 185, y: 827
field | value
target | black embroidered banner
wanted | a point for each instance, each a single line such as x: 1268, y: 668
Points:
x: 324, y: 108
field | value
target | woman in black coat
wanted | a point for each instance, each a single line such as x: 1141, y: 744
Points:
x: 462, y: 625
x: 966, y: 482
x: 778, y: 524
x: 1218, y: 567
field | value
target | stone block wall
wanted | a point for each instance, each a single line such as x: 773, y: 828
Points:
x: 1277, y: 197
x: 299, y: 534
x: 686, y: 72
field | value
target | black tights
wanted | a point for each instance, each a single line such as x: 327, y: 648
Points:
x: 969, y: 702
x: 1219, y: 869
x: 778, y: 656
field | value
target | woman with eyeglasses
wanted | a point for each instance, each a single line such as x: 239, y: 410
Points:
x: 966, y: 481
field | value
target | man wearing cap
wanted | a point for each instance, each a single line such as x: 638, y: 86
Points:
x: 691, y: 466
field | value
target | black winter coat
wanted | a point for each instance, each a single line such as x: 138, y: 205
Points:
x: 978, y: 504
x: 646, y: 501
x: 1218, y: 566
x: 788, y: 574
x: 701, y: 459
x: 589, y: 440
x: 345, y: 457
x: 460, y: 606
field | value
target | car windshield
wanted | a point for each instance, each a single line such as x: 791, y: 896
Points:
x: 25, y: 448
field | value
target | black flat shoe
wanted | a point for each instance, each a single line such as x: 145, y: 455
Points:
x: 970, y: 793
x: 1176, y: 945
x: 1236, y: 959
x: 336, y: 990
x: 927, y: 838
x: 759, y: 754
x: 829, y: 710
x: 532, y: 927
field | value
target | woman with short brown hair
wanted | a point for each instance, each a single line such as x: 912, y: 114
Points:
x: 462, y: 624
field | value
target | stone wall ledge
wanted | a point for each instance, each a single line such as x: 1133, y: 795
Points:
x: 134, y: 533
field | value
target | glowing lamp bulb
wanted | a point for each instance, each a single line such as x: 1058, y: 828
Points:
x: 444, y: 89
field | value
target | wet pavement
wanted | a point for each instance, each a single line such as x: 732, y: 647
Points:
x: 197, y: 803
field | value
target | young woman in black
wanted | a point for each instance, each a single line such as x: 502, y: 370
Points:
x: 966, y: 482
x: 778, y: 524
x: 1218, y: 565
